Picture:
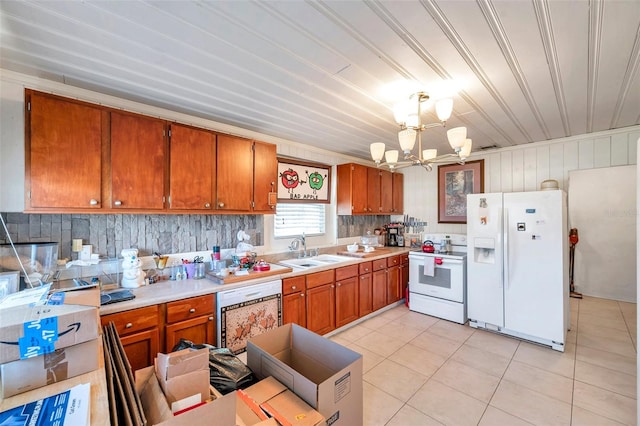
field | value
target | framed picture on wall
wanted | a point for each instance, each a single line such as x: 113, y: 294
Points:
x: 303, y: 182
x: 455, y: 181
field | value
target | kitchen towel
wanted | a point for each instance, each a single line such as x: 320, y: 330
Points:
x: 429, y: 266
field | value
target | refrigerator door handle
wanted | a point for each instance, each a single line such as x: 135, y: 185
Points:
x: 505, y: 227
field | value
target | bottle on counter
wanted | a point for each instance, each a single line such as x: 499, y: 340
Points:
x: 216, y: 253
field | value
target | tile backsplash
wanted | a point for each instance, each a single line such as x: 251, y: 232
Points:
x: 110, y: 233
x: 355, y: 226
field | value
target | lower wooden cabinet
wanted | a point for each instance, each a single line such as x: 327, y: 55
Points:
x: 192, y: 319
x: 294, y: 307
x: 393, y: 285
x: 143, y: 337
x: 141, y: 348
x: 321, y: 317
x: 139, y: 333
x: 198, y: 330
x: 321, y: 305
x: 404, y: 275
x: 347, y: 303
x: 365, y: 289
x: 379, y: 284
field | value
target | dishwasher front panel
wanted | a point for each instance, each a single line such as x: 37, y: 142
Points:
x: 246, y: 312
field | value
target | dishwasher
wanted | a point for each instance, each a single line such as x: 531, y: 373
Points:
x: 245, y: 312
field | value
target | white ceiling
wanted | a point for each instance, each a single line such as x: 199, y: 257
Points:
x: 312, y: 72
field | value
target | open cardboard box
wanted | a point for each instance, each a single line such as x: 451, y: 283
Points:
x: 158, y: 411
x: 182, y: 374
x: 272, y: 397
x: 326, y: 375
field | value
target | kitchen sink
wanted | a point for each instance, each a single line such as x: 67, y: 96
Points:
x: 315, y: 261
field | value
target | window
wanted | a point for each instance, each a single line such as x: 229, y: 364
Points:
x: 293, y: 219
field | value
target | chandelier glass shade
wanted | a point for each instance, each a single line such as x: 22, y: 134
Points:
x: 408, y: 114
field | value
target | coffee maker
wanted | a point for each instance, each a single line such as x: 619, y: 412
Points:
x: 394, y: 234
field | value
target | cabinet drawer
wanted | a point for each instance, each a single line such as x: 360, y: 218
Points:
x: 404, y: 259
x: 133, y: 321
x: 365, y: 267
x: 319, y: 278
x: 189, y: 308
x: 379, y: 264
x: 346, y: 272
x: 293, y: 285
x: 393, y: 261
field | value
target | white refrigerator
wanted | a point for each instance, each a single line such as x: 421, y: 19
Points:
x: 517, y: 265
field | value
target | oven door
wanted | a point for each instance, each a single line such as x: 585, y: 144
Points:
x: 447, y: 281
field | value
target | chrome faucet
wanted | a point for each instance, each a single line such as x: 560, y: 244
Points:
x: 295, y: 244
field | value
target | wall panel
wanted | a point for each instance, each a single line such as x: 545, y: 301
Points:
x: 526, y: 167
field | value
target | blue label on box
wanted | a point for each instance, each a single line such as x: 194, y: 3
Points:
x: 39, y: 337
x: 56, y: 299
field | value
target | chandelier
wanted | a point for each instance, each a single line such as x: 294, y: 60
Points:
x: 408, y: 115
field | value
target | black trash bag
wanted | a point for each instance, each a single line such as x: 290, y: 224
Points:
x: 226, y: 372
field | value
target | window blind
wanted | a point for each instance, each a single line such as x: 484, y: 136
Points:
x: 293, y: 219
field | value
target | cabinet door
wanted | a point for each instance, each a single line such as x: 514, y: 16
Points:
x: 347, y: 303
x: 294, y: 309
x: 404, y: 274
x: 398, y: 193
x: 63, y: 154
x: 393, y: 285
x: 373, y: 190
x: 198, y: 330
x: 234, y: 162
x: 379, y: 289
x: 352, y: 189
x: 192, y: 168
x: 141, y: 348
x: 138, y: 162
x: 386, y: 191
x: 321, y: 309
x: 265, y: 175
x: 365, y: 291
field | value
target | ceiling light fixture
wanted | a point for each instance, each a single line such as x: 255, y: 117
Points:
x: 408, y: 114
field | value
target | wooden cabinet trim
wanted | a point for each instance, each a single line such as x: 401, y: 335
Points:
x: 346, y: 272
x: 320, y: 278
x: 293, y: 285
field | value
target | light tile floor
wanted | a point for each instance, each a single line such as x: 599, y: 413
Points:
x: 420, y: 370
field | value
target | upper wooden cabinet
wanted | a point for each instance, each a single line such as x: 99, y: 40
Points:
x: 89, y: 158
x: 398, y: 193
x: 192, y: 152
x: 368, y: 190
x: 352, y: 189
x: 235, y: 173
x: 265, y: 176
x: 138, y: 156
x: 63, y: 146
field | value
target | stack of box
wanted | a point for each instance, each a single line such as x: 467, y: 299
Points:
x: 45, y: 344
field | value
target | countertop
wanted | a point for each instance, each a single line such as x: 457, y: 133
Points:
x: 168, y: 291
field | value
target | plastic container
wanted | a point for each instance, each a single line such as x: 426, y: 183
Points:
x: 39, y: 261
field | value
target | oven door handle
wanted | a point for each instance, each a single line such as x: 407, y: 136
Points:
x: 448, y: 261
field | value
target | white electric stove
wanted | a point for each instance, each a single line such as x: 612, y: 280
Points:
x: 438, y: 281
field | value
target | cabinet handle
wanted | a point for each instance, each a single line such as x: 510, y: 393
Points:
x: 128, y: 325
x: 332, y: 286
x: 220, y: 205
x: 93, y: 202
x: 192, y: 310
x: 301, y: 294
x: 293, y: 287
x: 338, y: 284
x: 210, y: 318
x: 117, y: 203
x: 207, y: 205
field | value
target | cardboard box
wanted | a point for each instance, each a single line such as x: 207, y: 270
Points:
x: 326, y: 375
x: 28, y: 331
x: 272, y: 397
x: 184, y: 373
x: 88, y: 296
x: 26, y: 374
x: 158, y: 412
